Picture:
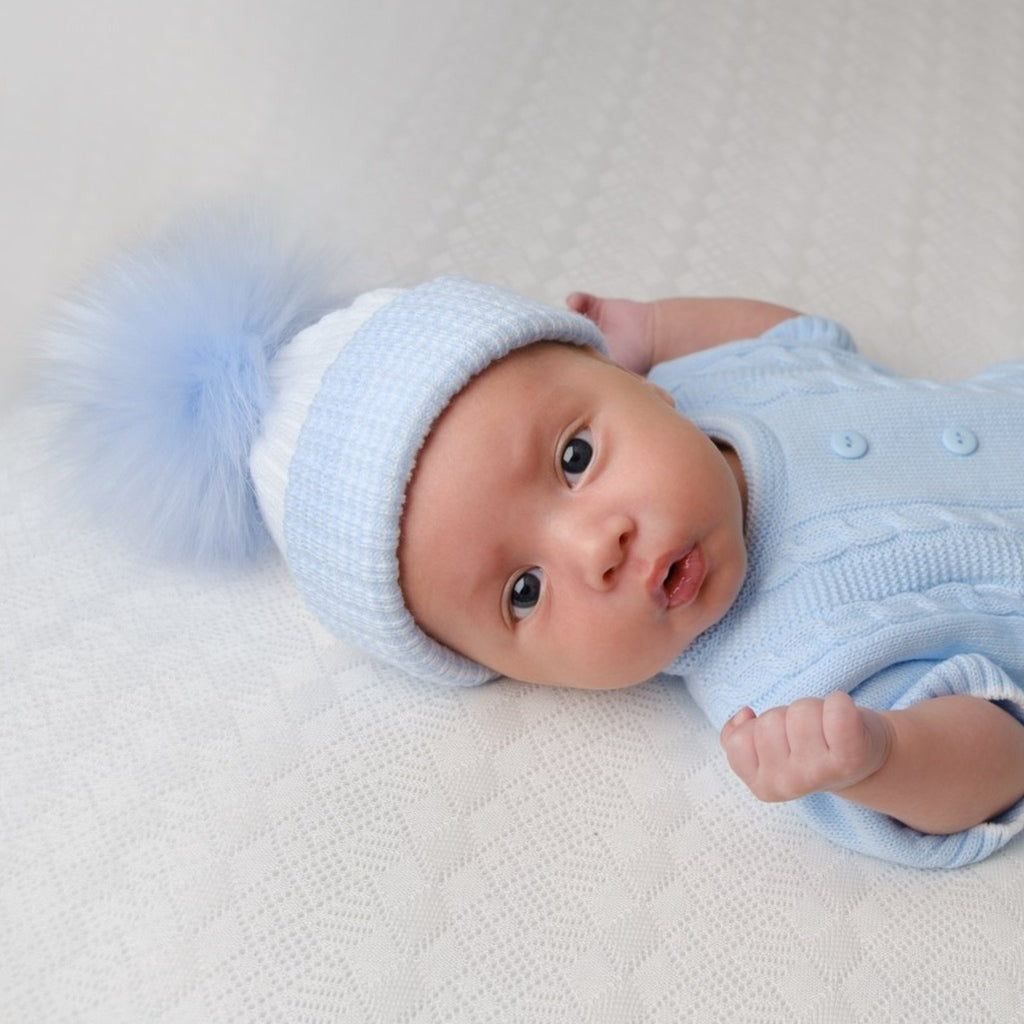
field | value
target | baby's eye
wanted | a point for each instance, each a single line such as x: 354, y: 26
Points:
x: 525, y: 593
x: 577, y: 455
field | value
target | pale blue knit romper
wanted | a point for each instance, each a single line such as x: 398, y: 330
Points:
x: 886, y: 541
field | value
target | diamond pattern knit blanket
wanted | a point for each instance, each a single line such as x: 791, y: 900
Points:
x: 210, y: 811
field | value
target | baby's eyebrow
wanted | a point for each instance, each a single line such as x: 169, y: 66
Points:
x: 527, y: 453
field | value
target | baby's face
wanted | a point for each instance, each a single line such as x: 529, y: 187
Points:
x: 565, y: 525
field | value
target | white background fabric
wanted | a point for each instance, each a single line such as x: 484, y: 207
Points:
x: 213, y: 812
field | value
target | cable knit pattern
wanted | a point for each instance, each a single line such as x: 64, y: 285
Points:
x: 888, y: 562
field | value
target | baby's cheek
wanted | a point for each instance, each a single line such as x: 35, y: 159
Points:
x: 611, y: 661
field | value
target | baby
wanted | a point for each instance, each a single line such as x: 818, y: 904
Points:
x: 606, y: 534
x: 469, y: 484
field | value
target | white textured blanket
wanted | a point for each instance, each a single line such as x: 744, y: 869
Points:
x: 209, y: 810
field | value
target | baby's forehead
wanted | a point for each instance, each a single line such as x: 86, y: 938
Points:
x: 483, y: 461
x: 538, y: 357
x: 515, y: 386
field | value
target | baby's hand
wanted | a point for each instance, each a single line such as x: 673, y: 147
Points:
x: 626, y: 326
x: 805, y: 747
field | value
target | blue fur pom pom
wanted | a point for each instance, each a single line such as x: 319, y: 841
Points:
x: 161, y: 367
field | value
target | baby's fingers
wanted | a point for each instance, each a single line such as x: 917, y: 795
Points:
x: 585, y: 304
x: 739, y: 743
x: 776, y: 753
x: 741, y: 716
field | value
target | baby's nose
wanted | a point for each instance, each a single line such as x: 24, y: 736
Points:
x: 601, y: 548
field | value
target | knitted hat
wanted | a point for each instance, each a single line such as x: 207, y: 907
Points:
x: 356, y: 396
x: 210, y: 398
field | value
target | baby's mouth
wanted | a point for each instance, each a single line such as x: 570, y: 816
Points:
x: 684, y: 578
x: 672, y: 576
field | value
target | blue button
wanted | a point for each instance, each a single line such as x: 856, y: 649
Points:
x: 959, y: 440
x: 848, y: 444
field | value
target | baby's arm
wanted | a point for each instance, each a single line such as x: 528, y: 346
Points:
x: 940, y: 766
x: 641, y: 334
